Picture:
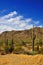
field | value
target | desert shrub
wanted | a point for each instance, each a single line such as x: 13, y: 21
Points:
x: 33, y: 52
x: 17, y: 49
x: 25, y: 52
x: 11, y: 48
x: 7, y: 49
x: 39, y: 45
x: 23, y: 43
x: 30, y: 53
x: 6, y: 46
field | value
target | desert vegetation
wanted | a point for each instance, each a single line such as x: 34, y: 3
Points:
x: 22, y: 47
x: 22, y: 42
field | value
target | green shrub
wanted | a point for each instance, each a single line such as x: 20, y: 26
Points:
x: 33, y: 53
x: 17, y: 49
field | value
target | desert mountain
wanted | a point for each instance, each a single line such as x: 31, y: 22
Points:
x: 25, y: 35
x: 20, y: 39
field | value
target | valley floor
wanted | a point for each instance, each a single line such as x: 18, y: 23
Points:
x: 20, y: 59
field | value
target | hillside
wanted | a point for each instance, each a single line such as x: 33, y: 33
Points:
x: 21, y: 38
x: 25, y: 35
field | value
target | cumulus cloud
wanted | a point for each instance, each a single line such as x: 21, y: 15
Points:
x: 5, y: 28
x: 9, y: 15
x: 15, y: 19
x: 36, y: 22
x: 11, y: 22
x: 29, y: 26
x: 40, y: 26
x: 22, y: 25
x: 28, y: 19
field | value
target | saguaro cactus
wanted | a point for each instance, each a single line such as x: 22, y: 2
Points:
x: 33, y: 38
x: 12, y: 45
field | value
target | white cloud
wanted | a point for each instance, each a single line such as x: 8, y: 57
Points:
x: 5, y: 28
x: 36, y: 22
x: 15, y: 19
x: 28, y: 20
x: 17, y: 22
x: 29, y: 26
x: 22, y: 25
x: 40, y: 26
x: 9, y: 15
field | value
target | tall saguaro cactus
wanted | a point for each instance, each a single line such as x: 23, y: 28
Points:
x: 6, y: 43
x: 12, y: 45
x: 33, y: 38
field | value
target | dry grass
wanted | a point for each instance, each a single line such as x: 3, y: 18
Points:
x: 14, y: 59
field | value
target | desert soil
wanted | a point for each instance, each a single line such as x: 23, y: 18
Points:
x: 14, y: 59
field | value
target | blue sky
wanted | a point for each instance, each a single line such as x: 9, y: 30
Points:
x: 20, y: 14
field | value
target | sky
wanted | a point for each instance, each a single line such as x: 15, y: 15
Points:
x: 20, y: 14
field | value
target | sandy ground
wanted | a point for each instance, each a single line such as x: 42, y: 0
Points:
x: 14, y: 59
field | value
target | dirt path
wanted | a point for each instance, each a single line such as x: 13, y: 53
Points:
x: 13, y: 59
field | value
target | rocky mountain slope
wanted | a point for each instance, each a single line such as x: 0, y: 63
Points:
x: 20, y: 38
